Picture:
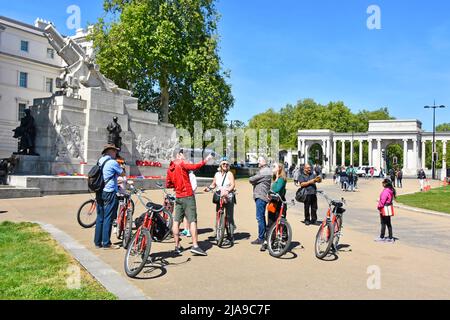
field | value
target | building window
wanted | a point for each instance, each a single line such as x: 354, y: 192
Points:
x: 49, y: 85
x: 21, y: 113
x: 24, y: 46
x: 50, y: 53
x: 23, y: 81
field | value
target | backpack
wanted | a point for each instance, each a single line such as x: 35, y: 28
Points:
x: 96, y: 183
x: 160, y: 228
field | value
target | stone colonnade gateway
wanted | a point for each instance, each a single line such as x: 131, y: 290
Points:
x: 381, y: 134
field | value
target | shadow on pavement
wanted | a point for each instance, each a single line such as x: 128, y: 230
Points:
x: 205, y: 230
x: 3, y: 212
x: 156, y: 268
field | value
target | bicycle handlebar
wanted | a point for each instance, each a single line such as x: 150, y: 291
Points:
x: 328, y: 199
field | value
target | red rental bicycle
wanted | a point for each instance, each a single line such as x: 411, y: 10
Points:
x: 139, y: 247
x: 222, y: 224
x: 124, y: 221
x: 330, y: 231
x: 279, y: 237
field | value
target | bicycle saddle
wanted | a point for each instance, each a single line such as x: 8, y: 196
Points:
x: 337, y: 204
x: 154, y: 207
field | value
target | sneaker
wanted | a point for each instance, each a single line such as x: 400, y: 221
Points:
x: 258, y: 242
x: 307, y: 222
x: 183, y: 233
x: 179, y: 250
x: 390, y: 240
x: 263, y: 247
x: 198, y: 251
x: 380, y: 240
x: 112, y: 247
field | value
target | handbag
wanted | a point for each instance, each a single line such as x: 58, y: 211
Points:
x: 388, y: 211
x: 216, y: 195
x: 300, y: 196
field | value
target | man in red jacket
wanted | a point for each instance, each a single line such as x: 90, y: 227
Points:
x: 178, y: 179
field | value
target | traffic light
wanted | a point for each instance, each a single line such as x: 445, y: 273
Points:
x: 383, y: 154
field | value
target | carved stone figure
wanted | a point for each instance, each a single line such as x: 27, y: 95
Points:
x: 115, y: 130
x: 26, y: 133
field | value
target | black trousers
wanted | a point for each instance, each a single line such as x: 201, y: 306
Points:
x: 311, y: 207
x: 385, y: 221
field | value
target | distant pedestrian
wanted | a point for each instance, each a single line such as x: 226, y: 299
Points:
x: 107, y: 202
x: 392, y: 176
x: 367, y: 169
x: 386, y: 210
x: 351, y: 173
x: 399, y: 178
x: 308, y: 180
x: 343, y: 179
x: 422, y: 177
x: 261, y: 186
x: 372, y: 172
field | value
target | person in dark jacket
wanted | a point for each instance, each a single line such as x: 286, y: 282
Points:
x: 308, y: 180
x: 422, y: 177
x: 178, y: 179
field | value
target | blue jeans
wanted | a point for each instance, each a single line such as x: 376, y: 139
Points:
x: 106, y: 213
x: 261, y: 218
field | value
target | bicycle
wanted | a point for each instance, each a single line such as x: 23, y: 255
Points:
x: 139, y: 248
x: 87, y: 213
x: 330, y: 230
x: 222, y: 224
x: 124, y: 222
x: 279, y: 236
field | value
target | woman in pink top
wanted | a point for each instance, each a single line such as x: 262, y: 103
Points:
x: 387, y: 197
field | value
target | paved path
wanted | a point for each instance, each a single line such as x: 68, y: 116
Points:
x: 414, y: 267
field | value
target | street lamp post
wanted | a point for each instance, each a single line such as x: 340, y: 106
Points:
x: 433, y: 156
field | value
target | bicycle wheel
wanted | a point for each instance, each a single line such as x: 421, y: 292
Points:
x: 87, y: 214
x: 137, y: 253
x: 220, y: 228
x: 337, y: 232
x: 324, y: 240
x: 167, y: 216
x: 131, y: 206
x: 128, y: 230
x: 279, y: 238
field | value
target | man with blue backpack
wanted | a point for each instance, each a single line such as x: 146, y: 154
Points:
x: 103, y: 181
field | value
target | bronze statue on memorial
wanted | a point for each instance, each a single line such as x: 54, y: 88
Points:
x: 115, y: 130
x: 26, y: 133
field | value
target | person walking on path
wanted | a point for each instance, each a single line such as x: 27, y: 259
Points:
x: 372, y: 172
x: 186, y: 206
x: 351, y: 173
x: 261, y: 186
x: 225, y: 183
x: 385, y: 203
x: 308, y: 180
x: 392, y: 176
x: 421, y: 176
x: 106, y: 199
x: 344, y: 179
x: 400, y: 178
x: 279, y: 187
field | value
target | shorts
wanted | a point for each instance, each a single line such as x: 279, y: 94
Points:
x: 186, y: 207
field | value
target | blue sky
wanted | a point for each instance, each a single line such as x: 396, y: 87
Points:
x: 282, y: 51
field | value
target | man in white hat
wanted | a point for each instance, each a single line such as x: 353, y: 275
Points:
x: 106, y: 199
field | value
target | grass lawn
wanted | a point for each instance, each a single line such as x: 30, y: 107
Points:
x: 436, y: 199
x: 34, y: 267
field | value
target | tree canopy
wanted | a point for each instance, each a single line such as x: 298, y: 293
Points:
x: 445, y: 127
x: 166, y: 53
x: 308, y: 115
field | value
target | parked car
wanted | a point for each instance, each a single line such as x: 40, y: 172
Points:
x: 361, y: 171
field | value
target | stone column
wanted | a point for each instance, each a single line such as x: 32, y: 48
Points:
x: 405, y: 154
x: 360, y: 153
x: 380, y: 156
x: 351, y: 152
x: 415, y: 155
x: 306, y: 152
x: 444, y: 162
x: 370, y: 153
x: 334, y: 154
x: 424, y: 155
x: 329, y: 155
x: 324, y: 153
x: 343, y: 153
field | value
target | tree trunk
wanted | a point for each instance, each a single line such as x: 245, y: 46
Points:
x: 165, y: 102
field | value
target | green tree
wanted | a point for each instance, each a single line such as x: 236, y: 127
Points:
x: 166, y: 53
x: 445, y: 127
